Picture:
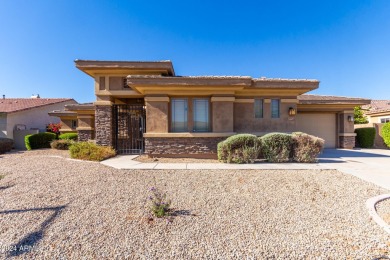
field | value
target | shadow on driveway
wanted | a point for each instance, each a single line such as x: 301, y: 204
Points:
x: 367, y: 153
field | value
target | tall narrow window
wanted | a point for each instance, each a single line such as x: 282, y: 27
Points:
x: 258, y: 108
x: 179, y: 115
x: 275, y: 110
x: 201, y: 114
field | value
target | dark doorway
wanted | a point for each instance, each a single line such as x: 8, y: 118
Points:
x: 129, y: 127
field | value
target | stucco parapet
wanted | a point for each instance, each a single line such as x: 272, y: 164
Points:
x: 195, y: 135
x: 103, y: 103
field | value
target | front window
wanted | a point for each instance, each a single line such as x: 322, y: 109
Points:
x: 201, y: 114
x: 258, y: 108
x: 385, y: 120
x: 179, y: 115
x: 74, y: 124
x: 275, y: 110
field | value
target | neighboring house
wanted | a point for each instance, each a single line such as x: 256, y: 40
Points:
x: 145, y: 107
x: 378, y: 111
x: 28, y: 113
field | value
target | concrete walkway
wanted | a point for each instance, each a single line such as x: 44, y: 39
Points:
x: 372, y: 165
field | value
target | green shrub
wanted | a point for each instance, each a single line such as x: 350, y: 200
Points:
x: 306, y: 148
x: 40, y: 140
x: 241, y: 148
x: 386, y: 134
x: 61, y: 144
x: 365, y: 136
x: 6, y: 145
x: 276, y: 147
x: 69, y: 136
x: 90, y: 151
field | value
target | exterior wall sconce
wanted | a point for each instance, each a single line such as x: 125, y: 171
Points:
x: 292, y: 111
x: 350, y: 119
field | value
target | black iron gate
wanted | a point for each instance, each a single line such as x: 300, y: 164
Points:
x: 129, y: 127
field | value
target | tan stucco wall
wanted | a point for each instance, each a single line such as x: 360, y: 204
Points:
x: 116, y: 83
x: 157, y: 116
x: 66, y: 125
x: 222, y: 116
x: 34, y: 118
x: 245, y: 121
x: 86, y: 122
x: 344, y: 125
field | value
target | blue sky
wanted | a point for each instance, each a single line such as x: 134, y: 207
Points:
x: 344, y: 44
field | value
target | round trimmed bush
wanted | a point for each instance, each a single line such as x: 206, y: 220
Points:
x: 241, y: 148
x: 6, y: 145
x: 68, y: 136
x: 306, y: 148
x: 276, y: 147
x: 40, y: 140
x: 386, y: 133
x: 365, y: 136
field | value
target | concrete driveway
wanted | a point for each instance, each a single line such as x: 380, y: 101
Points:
x: 371, y: 165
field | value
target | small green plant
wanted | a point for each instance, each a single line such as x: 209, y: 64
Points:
x: 40, y: 140
x: 61, y: 144
x: 90, y: 151
x: 365, y: 136
x: 69, y: 136
x: 160, y: 205
x: 1, y: 177
x: 386, y: 133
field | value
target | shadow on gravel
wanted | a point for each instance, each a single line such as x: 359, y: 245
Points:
x: 177, y: 213
x: 28, y: 243
x: 7, y: 186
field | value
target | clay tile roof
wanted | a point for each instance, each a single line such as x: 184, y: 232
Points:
x: 284, y: 80
x: 377, y: 106
x: 9, y: 105
x: 330, y: 99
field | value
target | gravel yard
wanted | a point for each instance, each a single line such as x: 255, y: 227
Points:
x: 68, y: 209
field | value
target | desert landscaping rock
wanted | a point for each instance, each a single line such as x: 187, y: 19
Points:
x: 68, y: 209
x: 383, y: 210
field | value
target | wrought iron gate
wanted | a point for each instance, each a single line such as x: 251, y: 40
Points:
x: 129, y: 127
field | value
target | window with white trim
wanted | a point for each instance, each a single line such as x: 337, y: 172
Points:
x: 385, y: 120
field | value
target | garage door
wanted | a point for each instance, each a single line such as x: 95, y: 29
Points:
x: 321, y: 125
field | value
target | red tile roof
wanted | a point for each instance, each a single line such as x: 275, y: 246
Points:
x: 377, y: 106
x: 9, y: 105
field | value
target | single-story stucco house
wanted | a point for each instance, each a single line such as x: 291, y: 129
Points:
x: 144, y: 107
x: 378, y: 111
x: 21, y: 116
